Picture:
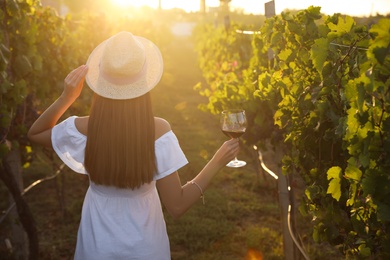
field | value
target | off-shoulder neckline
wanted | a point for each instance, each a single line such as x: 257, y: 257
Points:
x: 73, y: 118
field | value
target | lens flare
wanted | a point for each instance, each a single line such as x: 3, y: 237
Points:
x: 253, y: 254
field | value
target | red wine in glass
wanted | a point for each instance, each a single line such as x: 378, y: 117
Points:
x: 233, y: 134
x: 233, y: 125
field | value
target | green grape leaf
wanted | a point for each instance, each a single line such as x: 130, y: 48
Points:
x: 380, y: 44
x: 278, y: 118
x: 360, y: 100
x: 344, y: 25
x: 352, y: 124
x: 316, y: 234
x: 294, y: 28
x: 364, y: 251
x: 334, y: 189
x: 318, y: 53
x: 276, y: 38
x: 353, y: 172
x: 311, y: 192
x: 334, y: 173
x: 382, y: 29
x: 380, y: 53
x: 352, y: 194
x: 323, y: 30
x: 327, y: 69
x: 364, y: 159
x: 314, y: 12
x: 350, y: 91
x: 285, y: 54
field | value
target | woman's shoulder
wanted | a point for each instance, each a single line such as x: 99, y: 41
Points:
x: 162, y: 127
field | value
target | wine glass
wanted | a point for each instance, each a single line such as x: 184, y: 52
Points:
x: 233, y: 125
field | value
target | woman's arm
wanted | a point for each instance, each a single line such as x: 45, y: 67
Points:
x: 176, y: 198
x: 40, y: 131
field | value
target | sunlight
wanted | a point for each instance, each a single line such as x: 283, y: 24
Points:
x: 188, y: 6
x: 122, y: 3
x: 135, y: 3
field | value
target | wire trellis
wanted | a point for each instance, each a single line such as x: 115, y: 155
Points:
x: 32, y: 185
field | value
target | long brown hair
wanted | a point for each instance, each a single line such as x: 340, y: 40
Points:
x: 120, y: 143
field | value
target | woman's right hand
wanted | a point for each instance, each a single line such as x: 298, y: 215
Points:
x: 73, y: 83
x: 227, y: 151
x: 40, y: 131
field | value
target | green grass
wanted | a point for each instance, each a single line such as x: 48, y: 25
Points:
x: 241, y: 217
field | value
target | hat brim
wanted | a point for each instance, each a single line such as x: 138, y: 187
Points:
x: 151, y: 77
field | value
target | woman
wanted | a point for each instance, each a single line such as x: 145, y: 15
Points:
x: 130, y: 156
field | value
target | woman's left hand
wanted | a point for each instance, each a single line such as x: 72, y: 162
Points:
x: 73, y: 83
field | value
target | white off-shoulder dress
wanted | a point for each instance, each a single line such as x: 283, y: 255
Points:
x: 119, y: 223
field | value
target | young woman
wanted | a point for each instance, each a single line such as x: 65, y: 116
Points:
x: 130, y: 156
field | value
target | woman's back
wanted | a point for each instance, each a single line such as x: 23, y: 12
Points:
x: 120, y: 223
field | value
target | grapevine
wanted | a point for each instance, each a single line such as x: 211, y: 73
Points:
x: 318, y: 86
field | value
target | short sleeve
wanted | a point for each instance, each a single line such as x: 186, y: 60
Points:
x: 169, y: 155
x: 69, y: 144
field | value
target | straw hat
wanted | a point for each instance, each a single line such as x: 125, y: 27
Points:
x: 124, y: 66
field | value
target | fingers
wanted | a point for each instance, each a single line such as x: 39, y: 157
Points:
x: 227, y: 151
x: 233, y: 147
x: 74, y: 82
x: 76, y: 76
x: 233, y: 143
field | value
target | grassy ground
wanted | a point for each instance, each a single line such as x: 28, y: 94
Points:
x: 241, y: 218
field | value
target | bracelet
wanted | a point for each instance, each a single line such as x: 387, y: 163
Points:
x: 200, y: 189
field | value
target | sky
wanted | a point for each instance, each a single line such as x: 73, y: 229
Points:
x: 350, y: 7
